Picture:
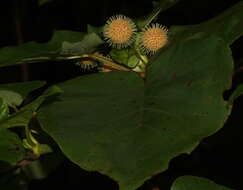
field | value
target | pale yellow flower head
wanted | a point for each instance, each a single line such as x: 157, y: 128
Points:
x: 119, y: 31
x: 153, y: 38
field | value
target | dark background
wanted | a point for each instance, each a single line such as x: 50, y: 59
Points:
x: 218, y: 157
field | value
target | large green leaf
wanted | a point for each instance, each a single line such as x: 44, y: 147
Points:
x: 11, y: 149
x: 191, y: 182
x: 23, y: 116
x: 120, y: 125
x: 228, y: 26
x: 34, y: 52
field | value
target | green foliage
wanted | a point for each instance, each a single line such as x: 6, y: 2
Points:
x: 22, y: 88
x: 13, y: 94
x: 125, y: 57
x: 119, y: 123
x: 11, y: 98
x: 122, y: 118
x: 22, y: 117
x: 237, y: 92
x: 191, y: 182
x: 88, y: 44
x: 36, y: 52
x: 117, y: 116
x: 11, y: 147
x: 228, y: 26
x: 4, y: 111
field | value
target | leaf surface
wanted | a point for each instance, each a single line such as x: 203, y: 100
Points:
x: 32, y: 52
x: 129, y: 129
x: 228, y: 26
x: 11, y: 149
x: 22, y: 88
x: 191, y: 182
x: 22, y: 117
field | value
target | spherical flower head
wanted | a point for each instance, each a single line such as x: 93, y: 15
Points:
x: 86, y: 64
x: 119, y: 31
x: 153, y: 38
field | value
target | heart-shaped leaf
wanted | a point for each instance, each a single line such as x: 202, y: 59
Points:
x: 120, y: 125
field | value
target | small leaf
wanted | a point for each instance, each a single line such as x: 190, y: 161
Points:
x: 133, y: 61
x: 23, y: 116
x: 125, y: 57
x: 120, y: 55
x: 32, y: 52
x: 88, y: 44
x: 237, y: 92
x: 22, y: 88
x: 11, y: 98
x: 198, y: 183
x: 11, y: 149
x: 13, y: 94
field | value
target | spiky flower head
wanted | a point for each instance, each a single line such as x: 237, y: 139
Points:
x: 87, y: 64
x: 119, y: 31
x: 153, y: 38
